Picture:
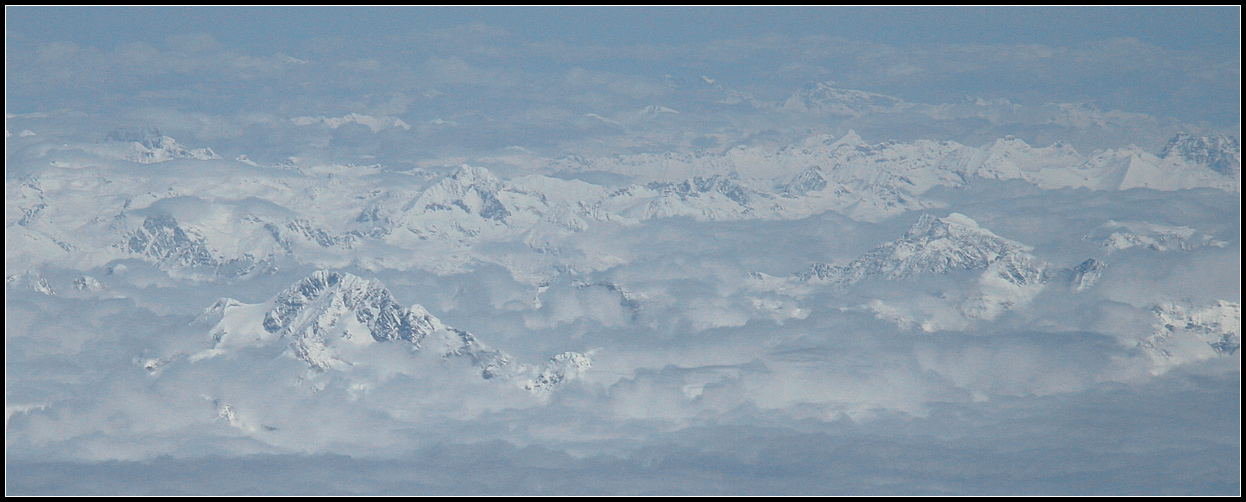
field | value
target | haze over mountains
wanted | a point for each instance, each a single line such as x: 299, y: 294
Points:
x: 475, y: 261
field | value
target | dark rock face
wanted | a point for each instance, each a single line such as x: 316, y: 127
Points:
x: 161, y: 239
x: 809, y: 180
x: 697, y: 186
x: 1086, y: 274
x: 302, y: 310
x: 372, y: 304
x: 1221, y: 153
x: 472, y: 190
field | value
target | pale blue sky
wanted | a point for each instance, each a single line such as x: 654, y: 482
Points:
x: 1208, y: 29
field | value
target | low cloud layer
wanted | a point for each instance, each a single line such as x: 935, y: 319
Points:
x: 1003, y: 446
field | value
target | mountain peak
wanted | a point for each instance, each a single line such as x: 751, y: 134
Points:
x: 851, y: 140
x: 327, y: 316
x: 929, y: 227
x: 475, y: 176
x: 162, y: 240
x: 470, y: 189
x: 931, y: 245
x: 151, y: 146
x: 1085, y: 275
x: 332, y: 294
x: 812, y: 179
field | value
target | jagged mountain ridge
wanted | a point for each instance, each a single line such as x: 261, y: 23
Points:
x: 163, y: 240
x: 327, y: 316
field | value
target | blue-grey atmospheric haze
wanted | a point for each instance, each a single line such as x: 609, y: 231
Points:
x: 623, y: 250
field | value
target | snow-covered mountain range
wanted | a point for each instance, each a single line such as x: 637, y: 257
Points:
x: 229, y: 217
x: 914, y: 167
x: 1011, y: 277
x: 202, y: 219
